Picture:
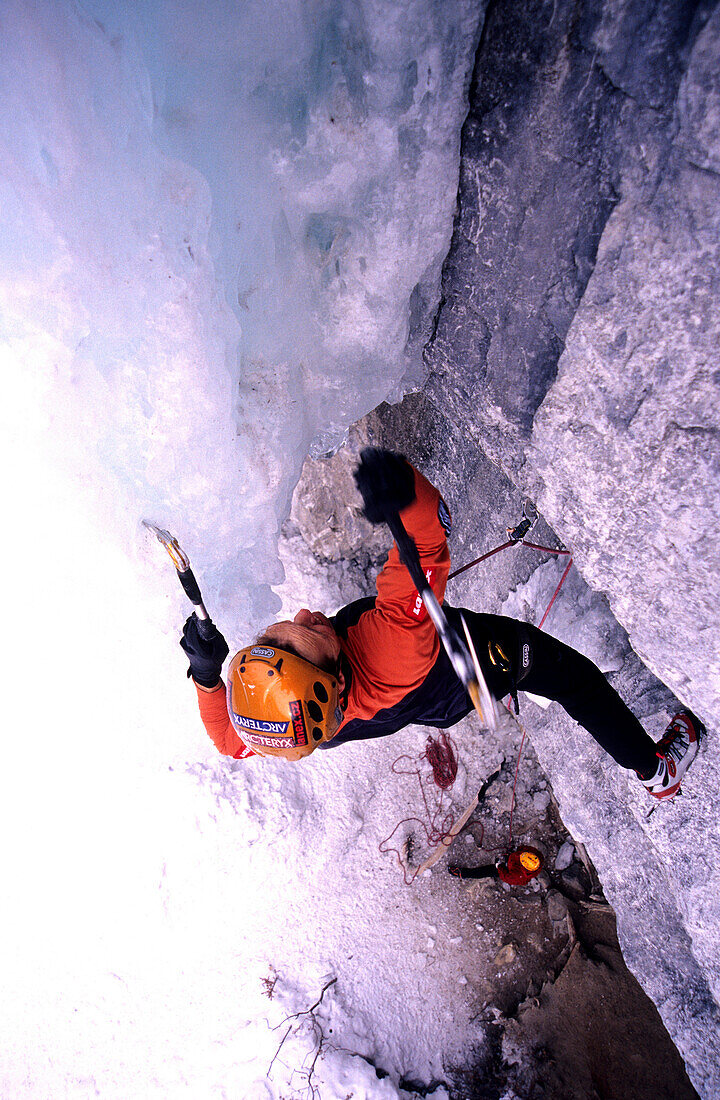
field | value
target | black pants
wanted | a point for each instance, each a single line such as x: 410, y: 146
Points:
x: 562, y: 674
x: 540, y: 664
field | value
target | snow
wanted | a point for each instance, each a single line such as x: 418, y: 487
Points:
x: 222, y: 237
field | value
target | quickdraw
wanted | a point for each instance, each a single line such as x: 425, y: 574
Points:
x: 516, y: 536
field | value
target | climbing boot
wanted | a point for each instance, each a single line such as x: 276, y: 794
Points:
x: 676, y: 752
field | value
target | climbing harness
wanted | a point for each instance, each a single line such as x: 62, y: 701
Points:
x: 516, y: 536
x: 500, y: 659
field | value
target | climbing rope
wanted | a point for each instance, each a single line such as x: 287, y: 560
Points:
x: 505, y: 546
x: 556, y: 593
x: 512, y: 800
x: 441, y: 754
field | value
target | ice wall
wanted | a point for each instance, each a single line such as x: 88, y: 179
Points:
x: 227, y: 224
x: 327, y: 132
x: 222, y: 234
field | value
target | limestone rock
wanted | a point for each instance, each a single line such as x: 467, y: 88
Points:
x: 576, y: 346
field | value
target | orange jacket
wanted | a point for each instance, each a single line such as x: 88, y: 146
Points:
x: 393, y: 645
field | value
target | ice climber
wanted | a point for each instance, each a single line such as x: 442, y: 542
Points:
x: 377, y: 665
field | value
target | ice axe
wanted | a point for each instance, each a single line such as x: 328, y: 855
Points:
x: 181, y: 561
x: 463, y: 658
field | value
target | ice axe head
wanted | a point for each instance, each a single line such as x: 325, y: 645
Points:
x: 178, y: 556
x: 185, y: 574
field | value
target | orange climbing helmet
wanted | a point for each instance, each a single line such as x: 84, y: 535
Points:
x: 521, y: 866
x: 280, y: 704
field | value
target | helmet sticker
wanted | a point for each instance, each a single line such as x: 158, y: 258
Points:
x: 262, y: 651
x: 270, y: 742
x: 276, y: 728
x: 298, y: 722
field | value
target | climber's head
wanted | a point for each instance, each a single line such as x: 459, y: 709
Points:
x: 310, y: 635
x: 283, y: 690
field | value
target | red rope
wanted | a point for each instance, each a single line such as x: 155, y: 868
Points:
x: 483, y: 557
x: 441, y: 754
x: 504, y: 546
x: 556, y: 593
x: 512, y: 802
x: 547, y: 549
x: 442, y: 758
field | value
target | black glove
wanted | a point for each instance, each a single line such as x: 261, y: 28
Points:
x: 386, y: 483
x: 206, y: 655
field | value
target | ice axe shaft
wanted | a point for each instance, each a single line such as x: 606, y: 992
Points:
x: 462, y: 657
x: 186, y: 576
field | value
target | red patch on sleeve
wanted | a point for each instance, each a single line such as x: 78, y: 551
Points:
x: 416, y: 608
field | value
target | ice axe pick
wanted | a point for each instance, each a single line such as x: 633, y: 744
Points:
x: 186, y: 576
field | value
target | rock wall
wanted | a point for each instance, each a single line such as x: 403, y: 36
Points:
x: 636, y: 404
x: 574, y: 346
x: 571, y: 103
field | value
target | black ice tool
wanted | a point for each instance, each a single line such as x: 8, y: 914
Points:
x: 462, y: 657
x: 187, y: 578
